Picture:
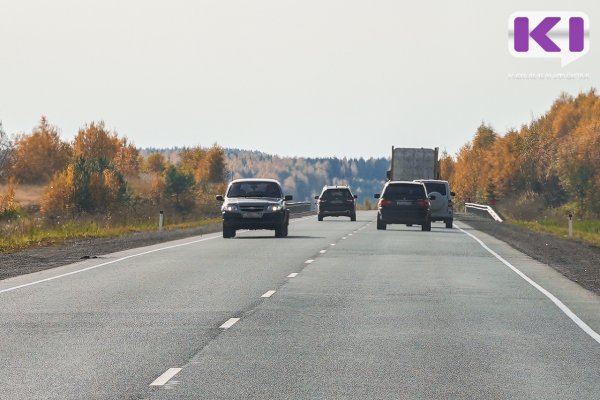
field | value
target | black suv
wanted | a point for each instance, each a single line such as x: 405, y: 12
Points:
x: 255, y: 204
x: 336, y: 201
x: 404, y: 203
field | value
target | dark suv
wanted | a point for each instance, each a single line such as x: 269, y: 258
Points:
x: 336, y: 201
x: 255, y: 204
x: 404, y: 203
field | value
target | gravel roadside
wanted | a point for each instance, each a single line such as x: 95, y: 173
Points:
x: 578, y: 261
x: 71, y: 251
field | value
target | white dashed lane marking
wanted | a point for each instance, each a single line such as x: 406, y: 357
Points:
x: 229, y: 323
x: 323, y: 251
x: 309, y: 261
x: 293, y: 275
x: 165, y: 377
x: 269, y: 293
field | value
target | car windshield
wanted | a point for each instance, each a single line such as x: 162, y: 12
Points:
x: 254, y: 189
x: 336, y: 194
x: 436, y: 187
x: 404, y: 192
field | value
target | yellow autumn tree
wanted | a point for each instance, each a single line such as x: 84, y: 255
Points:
x: 208, y: 166
x: 95, y: 179
x: 94, y: 143
x: 155, y: 163
x: 212, y: 168
x: 39, y: 155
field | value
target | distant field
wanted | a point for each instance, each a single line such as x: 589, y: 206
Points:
x: 26, y: 194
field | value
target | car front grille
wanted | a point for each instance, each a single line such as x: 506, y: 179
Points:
x: 252, y: 208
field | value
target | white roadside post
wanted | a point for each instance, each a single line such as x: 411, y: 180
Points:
x: 570, y: 225
x: 160, y: 220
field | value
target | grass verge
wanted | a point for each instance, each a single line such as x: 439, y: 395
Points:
x: 587, y: 231
x: 28, y: 234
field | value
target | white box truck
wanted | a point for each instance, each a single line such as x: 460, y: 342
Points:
x: 414, y: 163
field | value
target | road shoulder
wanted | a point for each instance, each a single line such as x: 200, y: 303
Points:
x: 582, y: 301
x: 578, y: 261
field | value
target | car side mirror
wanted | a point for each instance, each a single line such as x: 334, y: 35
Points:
x: 452, y: 194
x: 220, y: 198
x: 377, y: 196
x: 288, y: 197
x: 316, y: 197
x: 355, y: 196
x: 432, y: 197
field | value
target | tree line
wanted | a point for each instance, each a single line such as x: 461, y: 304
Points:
x: 550, y: 164
x: 100, y: 172
x: 305, y: 177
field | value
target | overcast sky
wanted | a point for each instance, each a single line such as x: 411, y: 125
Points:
x: 297, y: 78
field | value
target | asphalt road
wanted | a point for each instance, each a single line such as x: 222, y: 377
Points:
x: 370, y: 314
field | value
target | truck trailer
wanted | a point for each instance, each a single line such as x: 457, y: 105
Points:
x: 414, y: 163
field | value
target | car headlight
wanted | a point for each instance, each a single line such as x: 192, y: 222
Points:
x: 230, y: 208
x: 275, y: 207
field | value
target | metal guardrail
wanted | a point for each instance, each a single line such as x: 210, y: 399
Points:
x: 298, y: 207
x: 483, y: 207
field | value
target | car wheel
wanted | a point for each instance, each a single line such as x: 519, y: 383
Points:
x: 426, y: 226
x: 285, y: 228
x: 320, y: 217
x: 381, y: 226
x: 281, y: 230
x: 353, y: 217
x: 449, y: 223
x: 228, y: 232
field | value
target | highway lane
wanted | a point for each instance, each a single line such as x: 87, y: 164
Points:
x: 403, y: 314
x: 107, y: 333
x: 394, y: 314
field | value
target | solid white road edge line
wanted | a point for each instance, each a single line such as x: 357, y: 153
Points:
x: 107, y: 263
x: 269, y: 293
x: 293, y: 275
x: 229, y: 323
x: 165, y: 377
x: 585, y: 327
